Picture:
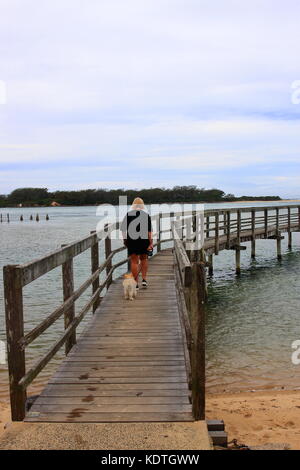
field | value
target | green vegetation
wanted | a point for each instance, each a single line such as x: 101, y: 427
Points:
x: 42, y: 197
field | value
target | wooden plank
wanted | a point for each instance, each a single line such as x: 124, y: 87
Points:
x: 71, y: 370
x: 128, y: 351
x: 113, y: 408
x: 121, y: 388
x: 122, y: 373
x: 119, y: 380
x: 57, y: 391
x: 108, y: 400
x: 78, y: 416
x: 153, y: 360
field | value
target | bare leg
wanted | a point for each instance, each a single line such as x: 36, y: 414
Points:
x: 144, y: 263
x: 134, y: 263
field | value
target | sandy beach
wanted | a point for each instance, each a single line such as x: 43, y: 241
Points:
x: 261, y: 419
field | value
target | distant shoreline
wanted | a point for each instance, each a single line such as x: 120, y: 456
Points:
x: 157, y: 203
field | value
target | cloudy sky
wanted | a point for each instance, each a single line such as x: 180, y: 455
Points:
x: 138, y: 93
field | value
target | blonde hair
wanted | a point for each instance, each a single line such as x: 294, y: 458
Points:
x: 138, y: 203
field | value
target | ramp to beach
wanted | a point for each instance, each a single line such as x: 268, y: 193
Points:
x: 129, y: 364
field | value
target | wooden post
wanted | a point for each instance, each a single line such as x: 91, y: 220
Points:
x: 290, y: 241
x: 68, y: 290
x: 289, y: 229
x: 95, y: 266
x: 197, y: 313
x: 237, y: 250
x: 107, y: 253
x: 210, y: 265
x: 159, y: 219
x: 277, y: 219
x: 216, y: 233
x: 299, y: 217
x: 278, y: 240
x: 253, y: 253
x: 14, y: 333
x: 207, y: 226
x: 238, y: 261
x: 228, y: 230
x: 266, y: 223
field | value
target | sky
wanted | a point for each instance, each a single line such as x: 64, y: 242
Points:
x: 138, y: 93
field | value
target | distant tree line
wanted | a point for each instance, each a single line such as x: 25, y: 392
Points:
x: 43, y: 197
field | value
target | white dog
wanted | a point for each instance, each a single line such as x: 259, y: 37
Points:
x: 129, y: 285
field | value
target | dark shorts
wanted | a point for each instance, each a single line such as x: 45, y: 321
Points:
x: 137, y: 247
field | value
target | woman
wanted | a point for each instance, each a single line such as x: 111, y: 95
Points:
x: 137, y: 235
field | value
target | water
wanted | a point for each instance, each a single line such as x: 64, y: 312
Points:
x: 252, y: 320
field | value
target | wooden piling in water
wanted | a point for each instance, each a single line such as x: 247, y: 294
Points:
x: 289, y: 229
x: 278, y: 243
x: 237, y: 249
x: 253, y: 248
x: 210, y: 265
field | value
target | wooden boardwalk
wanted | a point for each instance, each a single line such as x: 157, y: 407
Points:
x: 136, y: 361
x: 129, y: 363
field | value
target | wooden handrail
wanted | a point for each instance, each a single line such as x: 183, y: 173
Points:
x: 183, y: 261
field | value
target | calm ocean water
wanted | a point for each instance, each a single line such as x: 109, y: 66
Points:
x: 252, y: 320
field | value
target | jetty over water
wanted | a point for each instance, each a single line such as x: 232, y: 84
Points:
x: 140, y: 361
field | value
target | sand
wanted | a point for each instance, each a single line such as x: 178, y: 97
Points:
x: 4, y: 416
x: 267, y: 419
x: 259, y: 418
x: 106, y: 436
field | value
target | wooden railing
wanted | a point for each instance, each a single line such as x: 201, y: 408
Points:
x: 190, y: 279
x: 222, y: 229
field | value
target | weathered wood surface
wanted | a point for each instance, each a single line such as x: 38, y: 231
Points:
x: 129, y: 364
